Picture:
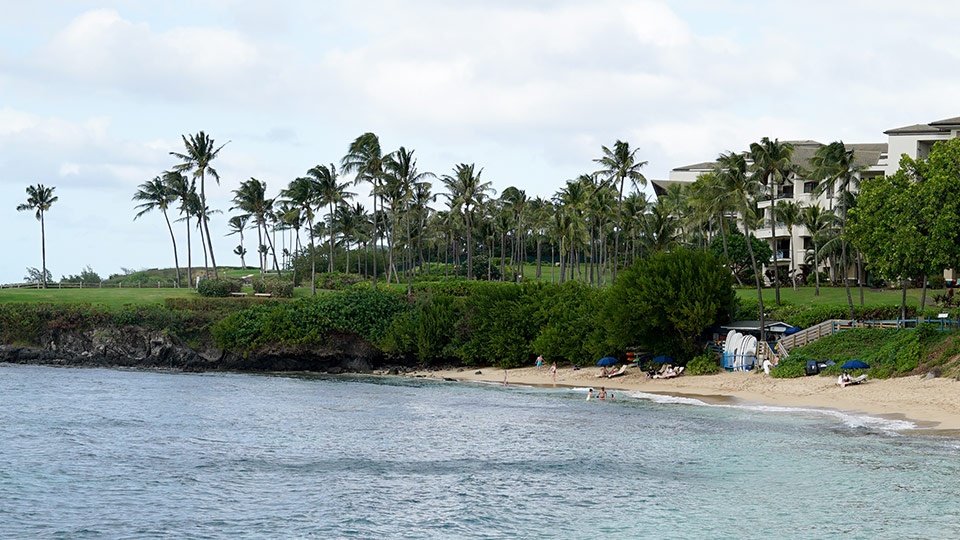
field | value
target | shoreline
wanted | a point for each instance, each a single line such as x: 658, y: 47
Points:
x: 933, y: 405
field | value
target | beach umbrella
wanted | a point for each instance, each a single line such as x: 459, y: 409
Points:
x: 663, y: 359
x: 607, y: 361
x: 856, y: 364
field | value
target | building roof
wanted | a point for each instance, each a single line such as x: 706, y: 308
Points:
x: 915, y: 129
x: 949, y: 122
x: 705, y: 166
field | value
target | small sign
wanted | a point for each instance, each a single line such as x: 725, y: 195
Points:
x: 943, y: 315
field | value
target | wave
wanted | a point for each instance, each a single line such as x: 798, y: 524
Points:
x: 849, y: 419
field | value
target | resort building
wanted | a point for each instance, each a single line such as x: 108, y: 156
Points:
x: 875, y: 159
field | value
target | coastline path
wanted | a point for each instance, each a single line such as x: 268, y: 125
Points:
x: 932, y: 403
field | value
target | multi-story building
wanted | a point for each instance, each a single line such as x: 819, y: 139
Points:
x: 873, y: 159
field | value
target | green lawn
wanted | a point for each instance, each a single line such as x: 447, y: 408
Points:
x: 111, y: 297
x: 838, y: 296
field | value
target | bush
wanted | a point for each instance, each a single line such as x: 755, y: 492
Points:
x: 275, y: 287
x: 705, y: 364
x: 936, y: 282
x: 337, y: 281
x: 218, y: 288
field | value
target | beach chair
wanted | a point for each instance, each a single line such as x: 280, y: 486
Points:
x: 858, y: 380
x: 619, y: 372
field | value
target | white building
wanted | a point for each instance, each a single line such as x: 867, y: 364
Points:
x: 875, y: 158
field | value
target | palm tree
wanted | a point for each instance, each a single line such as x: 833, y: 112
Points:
x: 40, y: 198
x: 465, y: 192
x: 743, y: 188
x: 331, y: 193
x: 237, y: 224
x: 155, y: 194
x: 817, y: 221
x: 789, y: 213
x: 302, y: 194
x: 365, y: 158
x: 401, y: 168
x: 835, y: 168
x: 772, y: 167
x: 251, y: 198
x: 620, y: 164
x: 200, y: 152
x: 183, y: 190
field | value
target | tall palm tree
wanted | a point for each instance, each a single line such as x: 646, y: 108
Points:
x: 40, y: 198
x: 465, y: 192
x: 198, y: 155
x: 331, y: 193
x: 156, y: 195
x: 237, y: 225
x: 772, y: 167
x: 835, y: 168
x: 620, y: 164
x: 365, y: 158
x: 789, y: 213
x: 732, y: 172
x: 817, y: 221
x: 250, y: 197
x: 540, y: 211
x: 302, y: 193
x: 184, y: 190
x: 401, y: 168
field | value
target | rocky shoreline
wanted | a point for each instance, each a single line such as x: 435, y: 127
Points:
x: 136, y: 347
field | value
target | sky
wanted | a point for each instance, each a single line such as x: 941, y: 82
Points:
x: 95, y: 95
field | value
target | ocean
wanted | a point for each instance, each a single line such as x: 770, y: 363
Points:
x: 99, y: 453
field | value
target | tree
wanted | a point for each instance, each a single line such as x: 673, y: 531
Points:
x: 743, y: 189
x: 156, y: 195
x: 250, y: 197
x: 402, y: 174
x: 738, y: 254
x: 789, y: 212
x: 665, y: 302
x: 200, y: 152
x: 772, y: 166
x: 619, y: 165
x: 184, y: 190
x: 835, y: 168
x: 817, y: 221
x: 34, y: 275
x: 39, y: 199
x: 365, y: 158
x: 465, y: 192
x: 237, y: 225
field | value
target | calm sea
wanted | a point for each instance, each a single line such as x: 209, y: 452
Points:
x: 93, y: 453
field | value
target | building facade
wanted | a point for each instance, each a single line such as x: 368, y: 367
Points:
x: 873, y: 159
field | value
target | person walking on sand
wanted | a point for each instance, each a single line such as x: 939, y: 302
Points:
x: 553, y: 372
x: 539, y: 363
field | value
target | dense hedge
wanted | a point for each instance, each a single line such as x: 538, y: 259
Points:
x: 366, y: 313
x: 277, y: 288
x: 218, y: 287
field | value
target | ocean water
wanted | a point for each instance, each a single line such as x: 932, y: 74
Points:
x: 95, y: 453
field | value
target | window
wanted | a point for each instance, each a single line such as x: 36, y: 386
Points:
x: 809, y: 187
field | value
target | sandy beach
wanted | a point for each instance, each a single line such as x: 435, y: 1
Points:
x: 931, y: 404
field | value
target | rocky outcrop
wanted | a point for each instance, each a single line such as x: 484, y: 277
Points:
x: 137, y: 347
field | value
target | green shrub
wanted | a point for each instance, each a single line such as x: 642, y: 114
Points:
x: 218, y: 287
x: 337, y: 281
x: 275, y: 287
x: 705, y: 364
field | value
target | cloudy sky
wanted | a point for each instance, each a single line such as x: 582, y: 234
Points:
x: 94, y: 95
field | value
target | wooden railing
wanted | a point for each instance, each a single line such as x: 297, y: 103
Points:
x: 827, y: 328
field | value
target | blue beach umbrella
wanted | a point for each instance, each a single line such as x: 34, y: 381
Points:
x: 856, y: 364
x: 607, y: 361
x: 663, y: 359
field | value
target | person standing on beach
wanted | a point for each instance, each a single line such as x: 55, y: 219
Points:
x: 539, y: 363
x: 553, y: 372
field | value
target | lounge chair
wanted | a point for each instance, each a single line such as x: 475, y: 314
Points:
x: 858, y: 380
x: 621, y: 371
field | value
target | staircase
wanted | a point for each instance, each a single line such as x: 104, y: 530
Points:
x: 809, y: 335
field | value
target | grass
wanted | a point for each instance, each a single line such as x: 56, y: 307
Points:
x: 111, y: 297
x: 838, y: 296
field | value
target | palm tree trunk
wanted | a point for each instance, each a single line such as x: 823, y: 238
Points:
x: 189, y: 255
x: 816, y: 268
x: 756, y: 277
x: 43, y: 250
x: 860, y: 274
x: 176, y: 262
x: 206, y: 226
